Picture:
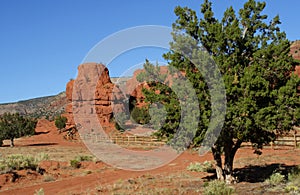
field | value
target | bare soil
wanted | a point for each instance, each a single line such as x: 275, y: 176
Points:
x: 96, y: 177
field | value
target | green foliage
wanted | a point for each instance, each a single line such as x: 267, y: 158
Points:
x: 39, y: 192
x: 252, y: 55
x: 217, y: 187
x: 275, y: 179
x: 60, y: 122
x: 75, y: 163
x: 206, y: 166
x: 15, y: 126
x: 19, y: 162
x: 293, y: 183
x: 140, y: 115
x: 81, y: 158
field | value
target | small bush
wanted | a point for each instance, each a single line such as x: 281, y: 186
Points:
x: 19, y: 161
x: 140, y: 115
x: 39, y: 192
x: 275, y: 179
x: 293, y: 184
x: 84, y: 158
x: 48, y: 178
x: 75, y: 163
x: 217, y: 187
x: 206, y: 166
x: 60, y: 122
x: 42, y: 157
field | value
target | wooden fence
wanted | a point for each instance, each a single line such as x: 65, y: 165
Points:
x: 290, y: 140
x: 127, y: 140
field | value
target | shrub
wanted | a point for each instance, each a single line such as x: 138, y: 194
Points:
x: 60, y: 122
x: 217, y: 187
x: 140, y: 115
x: 39, y: 192
x: 84, y: 158
x: 275, y: 179
x: 75, y: 163
x: 206, y: 166
x: 293, y: 185
x: 19, y: 162
x: 48, y: 178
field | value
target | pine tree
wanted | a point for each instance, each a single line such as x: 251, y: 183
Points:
x: 14, y: 126
x: 253, y: 57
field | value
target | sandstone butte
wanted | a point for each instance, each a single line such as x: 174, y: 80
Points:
x: 93, y: 87
x: 108, y: 97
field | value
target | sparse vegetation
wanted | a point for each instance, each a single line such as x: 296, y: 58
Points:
x: 293, y: 183
x: 75, y: 163
x: 19, y: 162
x: 48, y: 178
x: 275, y: 179
x: 39, y: 192
x: 217, y: 187
x: 206, y: 166
x: 81, y: 158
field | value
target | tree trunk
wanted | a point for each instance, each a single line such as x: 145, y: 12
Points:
x: 228, y: 169
x: 12, y: 142
x: 217, y: 156
x: 230, y: 149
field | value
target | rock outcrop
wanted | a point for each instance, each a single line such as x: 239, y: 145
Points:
x: 92, y: 93
x: 295, y: 50
x: 134, y: 87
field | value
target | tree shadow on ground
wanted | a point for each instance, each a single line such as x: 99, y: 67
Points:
x: 41, y: 144
x: 39, y: 133
x: 257, y: 173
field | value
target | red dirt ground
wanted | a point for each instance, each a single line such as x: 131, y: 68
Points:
x: 60, y: 178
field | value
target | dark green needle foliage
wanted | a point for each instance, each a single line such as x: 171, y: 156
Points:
x: 15, y: 125
x: 252, y: 54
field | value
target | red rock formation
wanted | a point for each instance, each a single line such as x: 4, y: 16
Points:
x: 134, y: 87
x: 92, y: 92
x: 295, y: 50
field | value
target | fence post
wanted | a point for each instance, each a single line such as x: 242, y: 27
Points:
x: 295, y: 139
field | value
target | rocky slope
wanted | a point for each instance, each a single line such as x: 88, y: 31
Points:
x: 43, y: 107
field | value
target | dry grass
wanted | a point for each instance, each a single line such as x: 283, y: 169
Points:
x: 177, y: 183
x: 57, y: 153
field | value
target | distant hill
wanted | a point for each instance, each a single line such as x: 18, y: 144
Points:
x: 43, y: 107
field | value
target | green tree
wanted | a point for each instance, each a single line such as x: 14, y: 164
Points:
x: 252, y: 55
x: 14, y: 126
x: 60, y: 122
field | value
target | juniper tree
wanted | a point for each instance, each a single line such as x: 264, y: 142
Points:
x: 253, y: 57
x: 15, y: 125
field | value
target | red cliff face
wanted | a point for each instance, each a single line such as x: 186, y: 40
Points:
x: 134, y: 88
x: 295, y: 50
x: 93, y: 89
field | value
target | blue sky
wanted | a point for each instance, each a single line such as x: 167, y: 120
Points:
x: 43, y: 41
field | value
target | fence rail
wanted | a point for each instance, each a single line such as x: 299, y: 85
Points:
x: 126, y: 140
x: 290, y: 140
